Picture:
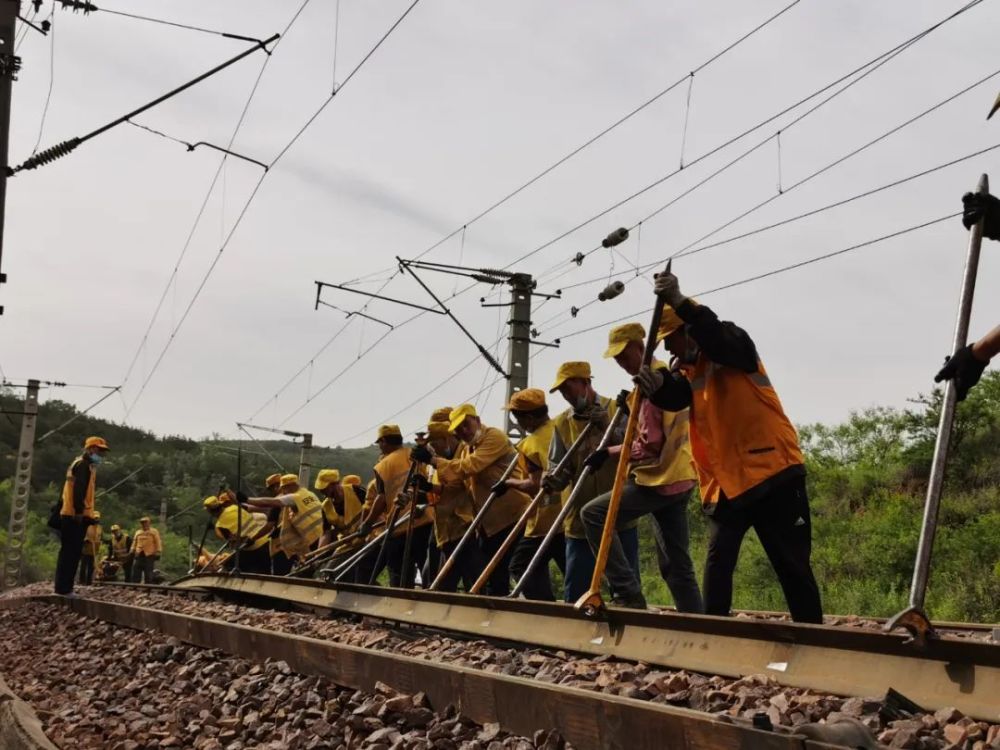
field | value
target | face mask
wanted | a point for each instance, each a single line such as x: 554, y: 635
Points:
x: 581, y: 404
x: 96, y: 458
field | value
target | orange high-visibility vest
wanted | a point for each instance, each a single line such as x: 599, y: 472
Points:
x: 67, y: 493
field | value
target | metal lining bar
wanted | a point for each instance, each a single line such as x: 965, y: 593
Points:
x: 587, y: 719
x: 950, y: 672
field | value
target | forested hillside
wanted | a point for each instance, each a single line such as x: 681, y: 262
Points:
x: 867, y: 480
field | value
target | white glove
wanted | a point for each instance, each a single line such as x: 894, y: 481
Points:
x: 648, y: 380
x: 668, y: 289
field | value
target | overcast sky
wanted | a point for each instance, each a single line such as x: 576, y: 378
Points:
x: 464, y: 102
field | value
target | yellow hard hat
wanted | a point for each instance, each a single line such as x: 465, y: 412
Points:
x: 287, y: 479
x: 437, y: 430
x: 99, y: 442
x: 115, y: 527
x: 389, y: 430
x: 670, y: 321
x: 273, y: 480
x: 212, y: 502
x: 97, y: 514
x: 569, y: 370
x: 621, y: 336
x: 351, y: 479
x: 527, y: 400
x: 146, y: 519
x: 440, y: 415
x: 458, y: 415
x: 326, y: 477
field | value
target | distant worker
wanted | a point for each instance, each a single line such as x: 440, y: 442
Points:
x: 280, y: 564
x: 77, y: 511
x: 966, y: 365
x: 121, y: 550
x: 453, y: 511
x: 574, y: 383
x: 301, y: 522
x: 146, y: 550
x: 746, y: 451
x: 529, y: 410
x: 480, y: 460
x: 246, y: 533
x: 91, y: 549
x: 661, y: 477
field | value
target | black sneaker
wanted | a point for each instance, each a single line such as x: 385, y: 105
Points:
x: 629, y: 601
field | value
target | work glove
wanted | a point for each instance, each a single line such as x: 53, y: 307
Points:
x: 365, y: 527
x: 500, y: 488
x: 422, y: 454
x: 964, y: 368
x: 596, y: 459
x: 422, y: 483
x: 668, y: 289
x: 977, y: 205
x: 553, y: 483
x: 242, y: 497
x: 648, y: 380
x: 622, y: 401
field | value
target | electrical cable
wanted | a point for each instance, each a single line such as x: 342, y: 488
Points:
x: 175, y: 24
x: 52, y: 78
x: 79, y: 414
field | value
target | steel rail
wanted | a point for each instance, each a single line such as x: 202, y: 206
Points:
x: 589, y: 720
x: 955, y: 672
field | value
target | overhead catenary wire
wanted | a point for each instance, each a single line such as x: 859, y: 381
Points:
x: 79, y: 414
x: 52, y: 79
x: 246, y: 206
x: 88, y: 7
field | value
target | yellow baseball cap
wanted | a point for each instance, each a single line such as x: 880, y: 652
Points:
x: 97, y: 514
x: 326, y: 477
x: 212, y: 502
x: 527, y: 400
x: 145, y: 518
x: 115, y: 527
x: 621, y: 336
x: 389, y: 430
x: 351, y: 479
x: 438, y: 430
x: 273, y: 480
x: 569, y: 370
x: 440, y: 415
x: 96, y: 441
x: 458, y: 415
x: 670, y: 321
x: 287, y: 479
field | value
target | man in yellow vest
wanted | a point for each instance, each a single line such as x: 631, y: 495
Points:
x: 574, y: 383
x: 121, y: 550
x: 482, y: 456
x: 453, y: 511
x: 146, y: 550
x: 341, y: 505
x: 530, y: 411
x: 77, y: 511
x: 91, y: 549
x: 280, y: 564
x: 245, y: 532
x: 301, y: 522
x: 746, y: 451
x: 661, y: 477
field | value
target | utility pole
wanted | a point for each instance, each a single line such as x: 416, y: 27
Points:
x: 9, y: 65
x: 163, y: 513
x: 305, y: 468
x: 519, y: 335
x: 16, y: 530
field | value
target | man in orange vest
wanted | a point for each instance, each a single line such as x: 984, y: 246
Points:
x: 745, y: 449
x: 77, y: 511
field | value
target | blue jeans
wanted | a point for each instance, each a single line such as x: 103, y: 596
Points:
x: 580, y: 563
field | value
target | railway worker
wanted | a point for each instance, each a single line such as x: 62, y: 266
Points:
x: 574, y: 383
x: 300, y: 524
x: 483, y: 455
x: 146, y: 550
x: 121, y: 553
x: 453, y: 510
x: 661, y: 477
x: 966, y: 365
x: 247, y: 532
x: 76, y: 512
x: 529, y: 410
x: 341, y: 505
x: 280, y: 564
x: 92, y: 541
x: 746, y: 450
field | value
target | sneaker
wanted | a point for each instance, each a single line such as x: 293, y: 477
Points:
x: 629, y: 601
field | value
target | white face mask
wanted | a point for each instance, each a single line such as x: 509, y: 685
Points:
x: 96, y: 458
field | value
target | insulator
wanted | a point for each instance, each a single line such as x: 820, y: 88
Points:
x: 579, y: 258
x: 611, y: 291
x: 49, y: 155
x: 573, y: 311
x: 617, y: 237
x: 84, y: 5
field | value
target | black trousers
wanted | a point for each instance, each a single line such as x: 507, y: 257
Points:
x: 143, y: 568
x: 539, y: 585
x: 86, y: 569
x: 280, y: 565
x: 781, y: 520
x: 127, y: 565
x: 466, y: 568
x: 419, y: 542
x: 70, y: 550
x: 252, y: 561
x: 433, y: 564
x: 499, y: 581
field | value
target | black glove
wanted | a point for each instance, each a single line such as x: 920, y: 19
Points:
x: 622, y: 401
x: 422, y: 454
x: 978, y: 205
x: 649, y: 380
x: 553, y: 483
x: 364, y: 527
x: 422, y: 483
x: 210, y: 526
x: 596, y: 459
x: 499, y: 488
x: 964, y: 368
x: 241, y: 497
